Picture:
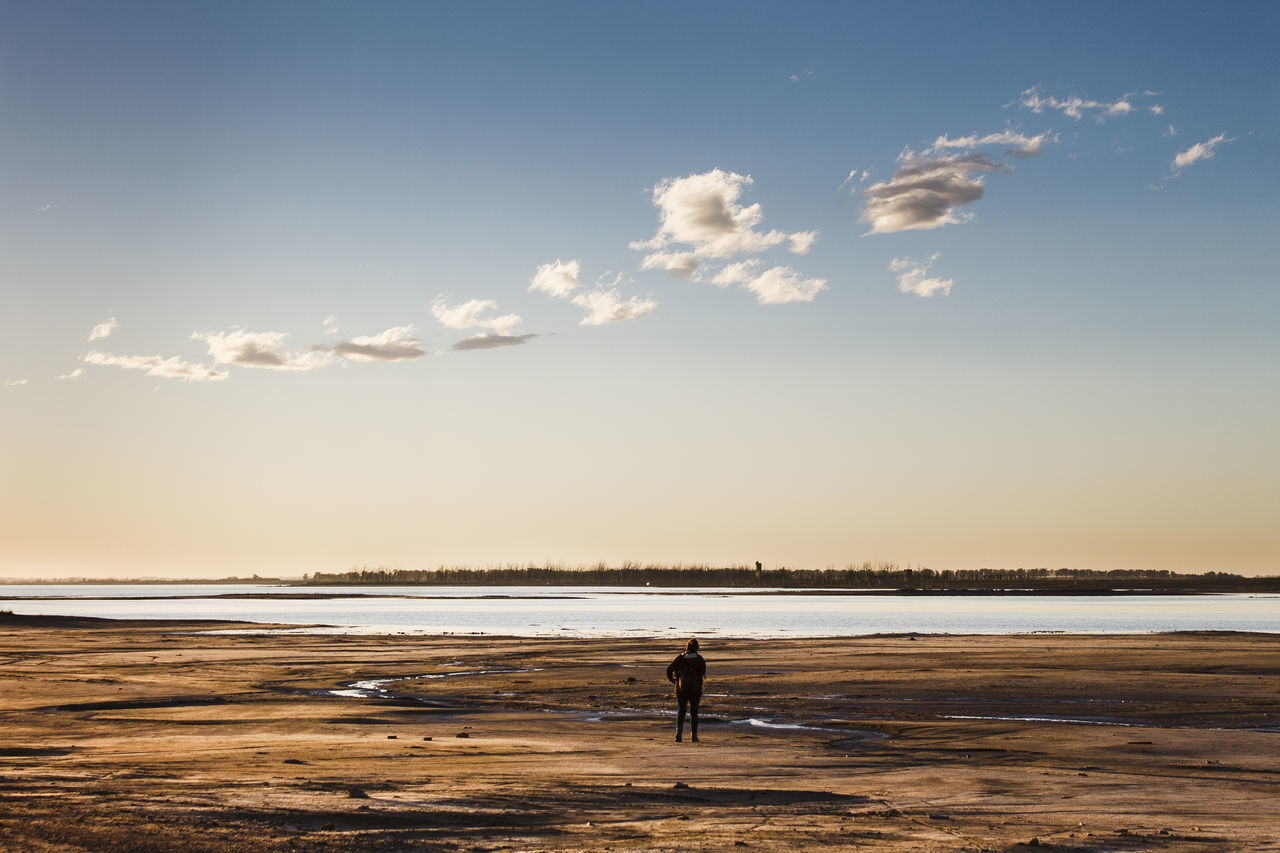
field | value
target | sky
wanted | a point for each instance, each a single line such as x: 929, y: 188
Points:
x: 295, y: 287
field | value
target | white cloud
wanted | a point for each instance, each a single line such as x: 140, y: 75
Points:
x: 461, y: 316
x: 678, y: 264
x: 1196, y: 153
x: 802, y: 242
x: 779, y: 285
x: 860, y: 176
x: 913, y: 277
x: 486, y: 340
x: 259, y: 349
x: 467, y: 315
x: 702, y: 215
x: 155, y: 365
x: 736, y: 273
x: 606, y: 305
x: 503, y: 324
x: 15, y: 383
x: 924, y: 192
x: 1018, y: 144
x: 73, y: 375
x: 557, y: 279
x: 331, y: 324
x: 1077, y: 108
x: 702, y: 211
x: 395, y: 344
x: 240, y: 348
x: 774, y: 286
x: 104, y: 329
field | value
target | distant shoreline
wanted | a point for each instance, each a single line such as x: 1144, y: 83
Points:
x: 923, y: 593
x: 884, y: 579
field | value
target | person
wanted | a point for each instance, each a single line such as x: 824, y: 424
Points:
x: 687, y: 672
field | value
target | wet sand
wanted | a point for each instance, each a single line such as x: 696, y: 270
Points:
x: 146, y: 736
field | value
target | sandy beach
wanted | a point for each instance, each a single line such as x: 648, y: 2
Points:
x: 155, y: 736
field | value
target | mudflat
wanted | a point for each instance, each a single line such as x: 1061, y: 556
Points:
x: 141, y: 736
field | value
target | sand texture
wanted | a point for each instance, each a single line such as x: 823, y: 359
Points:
x: 148, y: 736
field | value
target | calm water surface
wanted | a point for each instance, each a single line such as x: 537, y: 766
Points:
x: 643, y: 611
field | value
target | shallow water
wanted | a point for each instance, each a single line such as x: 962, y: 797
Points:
x: 376, y: 688
x: 647, y: 612
x: 1101, y: 721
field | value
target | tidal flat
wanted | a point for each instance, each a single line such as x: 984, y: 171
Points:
x: 157, y: 736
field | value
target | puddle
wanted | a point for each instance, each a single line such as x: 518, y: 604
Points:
x: 375, y: 688
x: 1078, y: 721
x: 1107, y: 721
x: 774, y: 725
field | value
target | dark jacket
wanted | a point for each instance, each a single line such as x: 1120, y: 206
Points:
x: 688, y: 671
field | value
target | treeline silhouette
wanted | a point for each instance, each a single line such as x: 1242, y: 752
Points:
x: 883, y: 576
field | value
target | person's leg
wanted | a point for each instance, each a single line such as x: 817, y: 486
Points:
x: 684, y: 704
x: 693, y: 717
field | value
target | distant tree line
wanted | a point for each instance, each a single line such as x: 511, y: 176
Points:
x: 882, y: 576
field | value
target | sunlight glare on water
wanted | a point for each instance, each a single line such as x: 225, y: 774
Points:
x: 589, y: 612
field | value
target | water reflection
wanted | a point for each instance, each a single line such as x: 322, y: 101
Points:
x: 615, y: 612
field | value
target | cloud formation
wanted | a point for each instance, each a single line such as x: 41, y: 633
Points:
x: 779, y: 285
x: 156, y: 365
x: 103, y: 329
x: 701, y: 216
x: 558, y: 279
x: 802, y: 242
x: 924, y: 193
x: 702, y: 212
x: 485, y: 340
x: 461, y: 316
x: 73, y: 375
x: 1077, y: 108
x: 15, y: 383
x: 467, y: 315
x: 603, y: 303
x: 677, y: 264
x: 738, y: 272
x: 1017, y: 144
x: 775, y: 286
x: 1196, y: 153
x: 913, y: 277
x: 259, y: 349
x: 855, y: 175
x: 395, y: 344
x: 264, y: 350
x: 606, y: 305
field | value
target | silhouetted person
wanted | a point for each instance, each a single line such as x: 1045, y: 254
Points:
x: 688, y: 671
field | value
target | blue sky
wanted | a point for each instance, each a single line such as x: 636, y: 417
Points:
x: 411, y: 284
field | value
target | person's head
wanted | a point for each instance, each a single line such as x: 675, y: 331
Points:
x: 691, y: 646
